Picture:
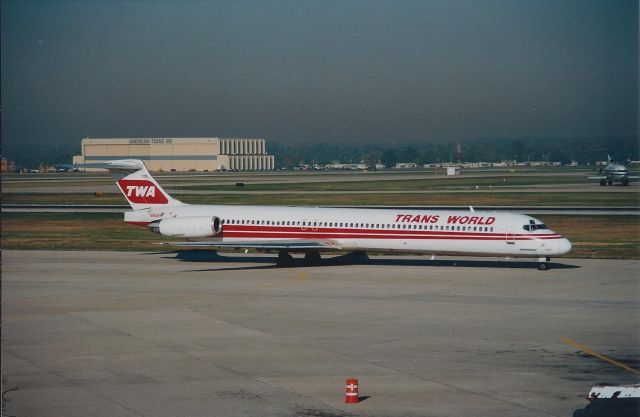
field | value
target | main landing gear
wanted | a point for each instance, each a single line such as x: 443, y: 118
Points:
x: 542, y: 263
x: 284, y: 260
x: 310, y: 259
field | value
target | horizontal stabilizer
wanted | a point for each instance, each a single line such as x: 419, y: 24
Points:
x: 120, y: 164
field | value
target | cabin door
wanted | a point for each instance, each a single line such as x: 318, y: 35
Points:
x: 509, y: 236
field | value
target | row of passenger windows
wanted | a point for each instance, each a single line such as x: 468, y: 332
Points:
x: 317, y: 224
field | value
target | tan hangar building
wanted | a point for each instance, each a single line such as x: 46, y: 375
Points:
x: 180, y: 154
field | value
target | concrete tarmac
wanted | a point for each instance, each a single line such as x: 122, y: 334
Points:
x: 197, y: 334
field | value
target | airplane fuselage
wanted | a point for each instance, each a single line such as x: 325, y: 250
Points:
x: 384, y: 230
x: 616, y: 172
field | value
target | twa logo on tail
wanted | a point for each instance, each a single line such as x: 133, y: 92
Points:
x: 142, y: 192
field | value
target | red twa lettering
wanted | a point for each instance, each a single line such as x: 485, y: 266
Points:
x: 142, y: 192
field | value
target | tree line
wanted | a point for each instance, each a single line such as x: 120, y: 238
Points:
x: 565, y: 150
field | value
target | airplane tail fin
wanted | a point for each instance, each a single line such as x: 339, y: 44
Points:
x: 135, y: 182
x: 609, y: 159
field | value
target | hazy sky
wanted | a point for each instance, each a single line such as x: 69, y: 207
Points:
x: 318, y: 70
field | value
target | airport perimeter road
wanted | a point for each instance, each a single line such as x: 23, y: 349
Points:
x: 194, y: 334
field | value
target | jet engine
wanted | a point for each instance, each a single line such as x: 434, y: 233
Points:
x: 188, y: 227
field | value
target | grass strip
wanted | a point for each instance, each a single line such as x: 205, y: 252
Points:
x: 475, y: 198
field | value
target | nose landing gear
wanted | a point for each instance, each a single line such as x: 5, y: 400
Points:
x: 543, y: 263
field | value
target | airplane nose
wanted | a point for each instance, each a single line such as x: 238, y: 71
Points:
x: 563, y: 246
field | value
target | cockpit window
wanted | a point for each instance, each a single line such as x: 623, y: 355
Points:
x: 533, y: 227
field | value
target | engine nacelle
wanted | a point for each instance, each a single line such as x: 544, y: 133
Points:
x: 188, y: 227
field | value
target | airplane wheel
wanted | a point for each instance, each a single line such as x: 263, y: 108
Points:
x: 625, y: 182
x: 361, y: 257
x: 603, y: 182
x: 284, y: 260
x: 609, y: 182
x: 543, y: 266
x: 312, y: 258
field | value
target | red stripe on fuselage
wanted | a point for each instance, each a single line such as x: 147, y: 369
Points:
x: 253, y: 231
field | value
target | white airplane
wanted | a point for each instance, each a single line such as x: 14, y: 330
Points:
x: 312, y: 230
x: 613, y: 172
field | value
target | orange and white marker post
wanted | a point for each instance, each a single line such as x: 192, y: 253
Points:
x: 351, y: 394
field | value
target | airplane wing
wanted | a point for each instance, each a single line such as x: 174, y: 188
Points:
x: 631, y: 177
x: 289, y: 245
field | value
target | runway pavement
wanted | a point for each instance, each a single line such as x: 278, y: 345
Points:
x: 197, y: 334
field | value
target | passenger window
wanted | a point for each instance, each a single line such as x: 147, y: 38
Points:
x: 304, y: 223
x: 340, y: 224
x: 491, y: 229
